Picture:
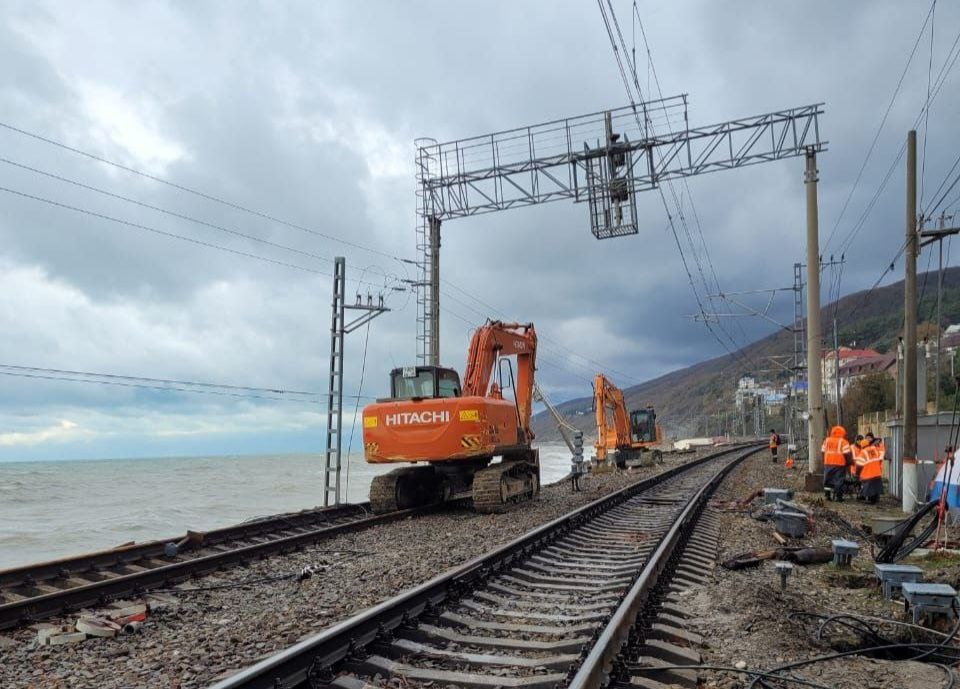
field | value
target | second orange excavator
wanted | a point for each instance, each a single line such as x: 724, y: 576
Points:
x: 455, y: 431
x: 633, y: 436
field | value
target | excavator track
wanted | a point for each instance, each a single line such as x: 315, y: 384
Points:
x: 403, y: 489
x: 501, y: 486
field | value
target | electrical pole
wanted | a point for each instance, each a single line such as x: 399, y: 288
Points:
x: 434, y: 354
x: 815, y: 430
x: 339, y: 328
x: 909, y: 454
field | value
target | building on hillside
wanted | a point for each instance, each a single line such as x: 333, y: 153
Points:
x: 949, y: 344
x: 865, y: 366
x: 748, y: 388
x: 828, y: 367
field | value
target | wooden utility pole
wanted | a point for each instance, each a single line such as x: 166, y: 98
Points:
x: 909, y: 453
x: 815, y: 431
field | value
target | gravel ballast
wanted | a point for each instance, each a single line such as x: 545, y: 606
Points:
x: 213, y: 632
x: 743, y: 614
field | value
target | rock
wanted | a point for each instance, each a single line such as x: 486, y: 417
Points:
x: 740, y: 665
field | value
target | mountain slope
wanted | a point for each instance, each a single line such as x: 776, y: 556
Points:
x: 867, y: 319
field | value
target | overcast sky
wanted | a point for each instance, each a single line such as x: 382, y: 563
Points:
x: 307, y: 112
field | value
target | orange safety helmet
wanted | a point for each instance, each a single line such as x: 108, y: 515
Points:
x: 789, y: 463
x: 838, y: 432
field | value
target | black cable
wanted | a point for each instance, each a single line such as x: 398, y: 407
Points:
x: 203, y: 195
x: 540, y: 359
x: 143, y: 386
x: 899, y: 547
x: 951, y: 676
x: 746, y: 671
x: 926, y: 107
x: 736, y: 351
x: 946, y: 178
x: 945, y: 69
x: 246, y: 388
x: 541, y: 338
x: 151, y: 387
x: 166, y: 211
x: 773, y: 672
x: 876, y: 136
x: 163, y: 233
x: 356, y: 408
x: 850, y: 314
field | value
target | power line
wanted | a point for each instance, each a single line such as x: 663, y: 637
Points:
x: 159, y: 209
x: 883, y: 274
x: 171, y: 381
x: 195, y: 192
x: 651, y: 68
x: 164, y: 233
x: 929, y: 213
x: 926, y: 123
x: 883, y: 121
x: 151, y: 387
x: 945, y: 69
x: 541, y: 356
x: 356, y: 408
x: 542, y: 338
x: 236, y: 391
x: 630, y: 95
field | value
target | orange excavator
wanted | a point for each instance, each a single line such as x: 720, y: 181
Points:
x: 633, y: 436
x: 458, y: 431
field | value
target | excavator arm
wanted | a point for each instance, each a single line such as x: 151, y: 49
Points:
x: 608, y: 399
x: 492, y: 341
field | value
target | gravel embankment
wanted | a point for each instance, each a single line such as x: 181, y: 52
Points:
x: 743, y: 615
x: 213, y: 632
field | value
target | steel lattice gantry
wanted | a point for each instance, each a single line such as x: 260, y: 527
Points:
x: 603, y: 158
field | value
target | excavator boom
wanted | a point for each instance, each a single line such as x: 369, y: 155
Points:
x: 488, y: 344
x: 627, y: 434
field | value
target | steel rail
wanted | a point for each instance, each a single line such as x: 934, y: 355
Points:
x: 595, y: 669
x: 319, y: 653
x: 122, y: 554
x: 114, y: 585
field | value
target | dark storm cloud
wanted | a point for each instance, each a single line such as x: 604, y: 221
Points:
x: 309, y: 112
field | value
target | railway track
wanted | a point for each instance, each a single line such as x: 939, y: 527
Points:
x: 554, y: 608
x: 39, y: 591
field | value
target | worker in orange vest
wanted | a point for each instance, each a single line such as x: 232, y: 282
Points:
x: 837, y: 455
x: 774, y: 444
x: 856, y: 448
x: 859, y: 458
x: 871, y: 481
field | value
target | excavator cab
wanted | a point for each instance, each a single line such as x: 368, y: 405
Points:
x: 424, y: 382
x: 643, y: 425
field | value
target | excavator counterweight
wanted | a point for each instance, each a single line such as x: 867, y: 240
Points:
x: 457, y: 430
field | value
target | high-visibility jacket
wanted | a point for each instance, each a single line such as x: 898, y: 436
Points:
x: 774, y: 440
x: 873, y: 466
x: 859, y: 458
x: 834, y: 450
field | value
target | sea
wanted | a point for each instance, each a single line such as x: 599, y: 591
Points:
x: 54, y: 509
